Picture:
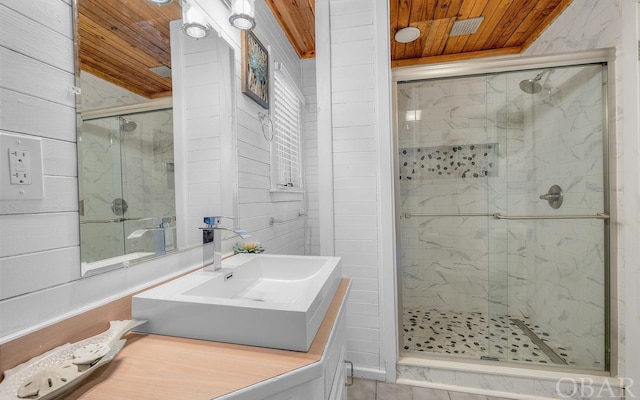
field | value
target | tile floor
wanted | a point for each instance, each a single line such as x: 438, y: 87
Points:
x: 475, y: 335
x: 365, y: 389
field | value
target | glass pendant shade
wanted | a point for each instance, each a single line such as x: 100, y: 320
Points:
x: 242, y: 14
x: 193, y: 23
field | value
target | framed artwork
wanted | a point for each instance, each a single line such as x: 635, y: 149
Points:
x: 255, y: 69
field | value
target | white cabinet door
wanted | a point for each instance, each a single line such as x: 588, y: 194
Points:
x: 338, y: 389
x: 312, y: 390
x: 334, y: 357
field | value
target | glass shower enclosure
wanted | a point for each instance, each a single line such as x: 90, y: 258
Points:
x: 126, y: 188
x: 503, y: 217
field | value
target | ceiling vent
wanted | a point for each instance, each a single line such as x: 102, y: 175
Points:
x: 162, y: 70
x: 465, y: 26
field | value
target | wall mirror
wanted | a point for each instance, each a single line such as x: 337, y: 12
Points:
x: 127, y: 176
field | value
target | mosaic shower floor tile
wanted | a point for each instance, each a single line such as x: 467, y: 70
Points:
x: 475, y: 335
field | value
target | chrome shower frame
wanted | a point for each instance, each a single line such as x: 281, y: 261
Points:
x: 511, y: 64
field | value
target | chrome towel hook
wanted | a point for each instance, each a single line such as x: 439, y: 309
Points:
x: 265, y: 120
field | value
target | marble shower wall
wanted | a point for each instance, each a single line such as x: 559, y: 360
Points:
x: 550, y: 271
x: 98, y: 93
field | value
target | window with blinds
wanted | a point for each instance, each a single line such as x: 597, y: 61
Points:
x: 287, y: 124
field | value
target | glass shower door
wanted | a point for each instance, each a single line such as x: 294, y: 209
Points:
x: 101, y: 205
x: 552, y: 263
x: 447, y: 157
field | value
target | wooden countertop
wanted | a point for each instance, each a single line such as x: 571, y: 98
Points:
x: 157, y: 367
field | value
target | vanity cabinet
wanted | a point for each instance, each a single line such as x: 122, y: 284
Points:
x: 309, y: 390
x: 335, y: 368
x: 331, y: 385
x: 322, y: 380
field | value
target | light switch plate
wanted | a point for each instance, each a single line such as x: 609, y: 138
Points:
x: 21, y: 176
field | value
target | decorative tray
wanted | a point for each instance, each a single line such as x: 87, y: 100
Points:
x: 57, y: 371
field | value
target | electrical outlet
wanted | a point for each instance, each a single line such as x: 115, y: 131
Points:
x: 19, y: 167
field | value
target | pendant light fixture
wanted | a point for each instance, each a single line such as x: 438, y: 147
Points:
x: 193, y: 23
x: 242, y: 14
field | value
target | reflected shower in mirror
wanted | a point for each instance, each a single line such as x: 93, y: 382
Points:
x: 127, y: 190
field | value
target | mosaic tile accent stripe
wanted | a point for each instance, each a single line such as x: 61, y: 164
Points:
x: 460, y: 161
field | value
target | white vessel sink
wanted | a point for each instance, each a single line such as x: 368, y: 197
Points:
x: 263, y: 300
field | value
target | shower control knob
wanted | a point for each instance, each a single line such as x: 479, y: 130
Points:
x: 554, y: 196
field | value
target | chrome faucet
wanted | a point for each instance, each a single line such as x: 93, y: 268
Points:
x: 161, y: 223
x: 212, y: 242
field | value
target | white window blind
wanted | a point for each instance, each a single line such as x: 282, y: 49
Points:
x: 287, y: 123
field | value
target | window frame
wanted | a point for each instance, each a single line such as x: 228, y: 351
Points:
x: 280, y: 76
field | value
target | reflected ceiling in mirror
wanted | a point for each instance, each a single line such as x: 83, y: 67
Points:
x: 127, y: 43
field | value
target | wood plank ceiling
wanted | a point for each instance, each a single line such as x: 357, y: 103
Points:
x: 121, y: 39
x: 297, y: 20
x: 508, y: 27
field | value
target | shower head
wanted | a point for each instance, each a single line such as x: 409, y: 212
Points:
x: 530, y: 86
x: 127, y: 125
x: 533, y: 86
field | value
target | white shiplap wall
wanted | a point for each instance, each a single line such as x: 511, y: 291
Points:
x: 358, y: 80
x: 311, y: 161
x: 39, y: 239
x: 256, y: 203
x: 200, y: 90
x: 355, y: 173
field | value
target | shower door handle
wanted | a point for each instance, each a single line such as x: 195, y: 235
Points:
x: 534, y: 217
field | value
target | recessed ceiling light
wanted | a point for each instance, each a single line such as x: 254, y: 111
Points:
x: 160, y: 2
x: 408, y: 34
